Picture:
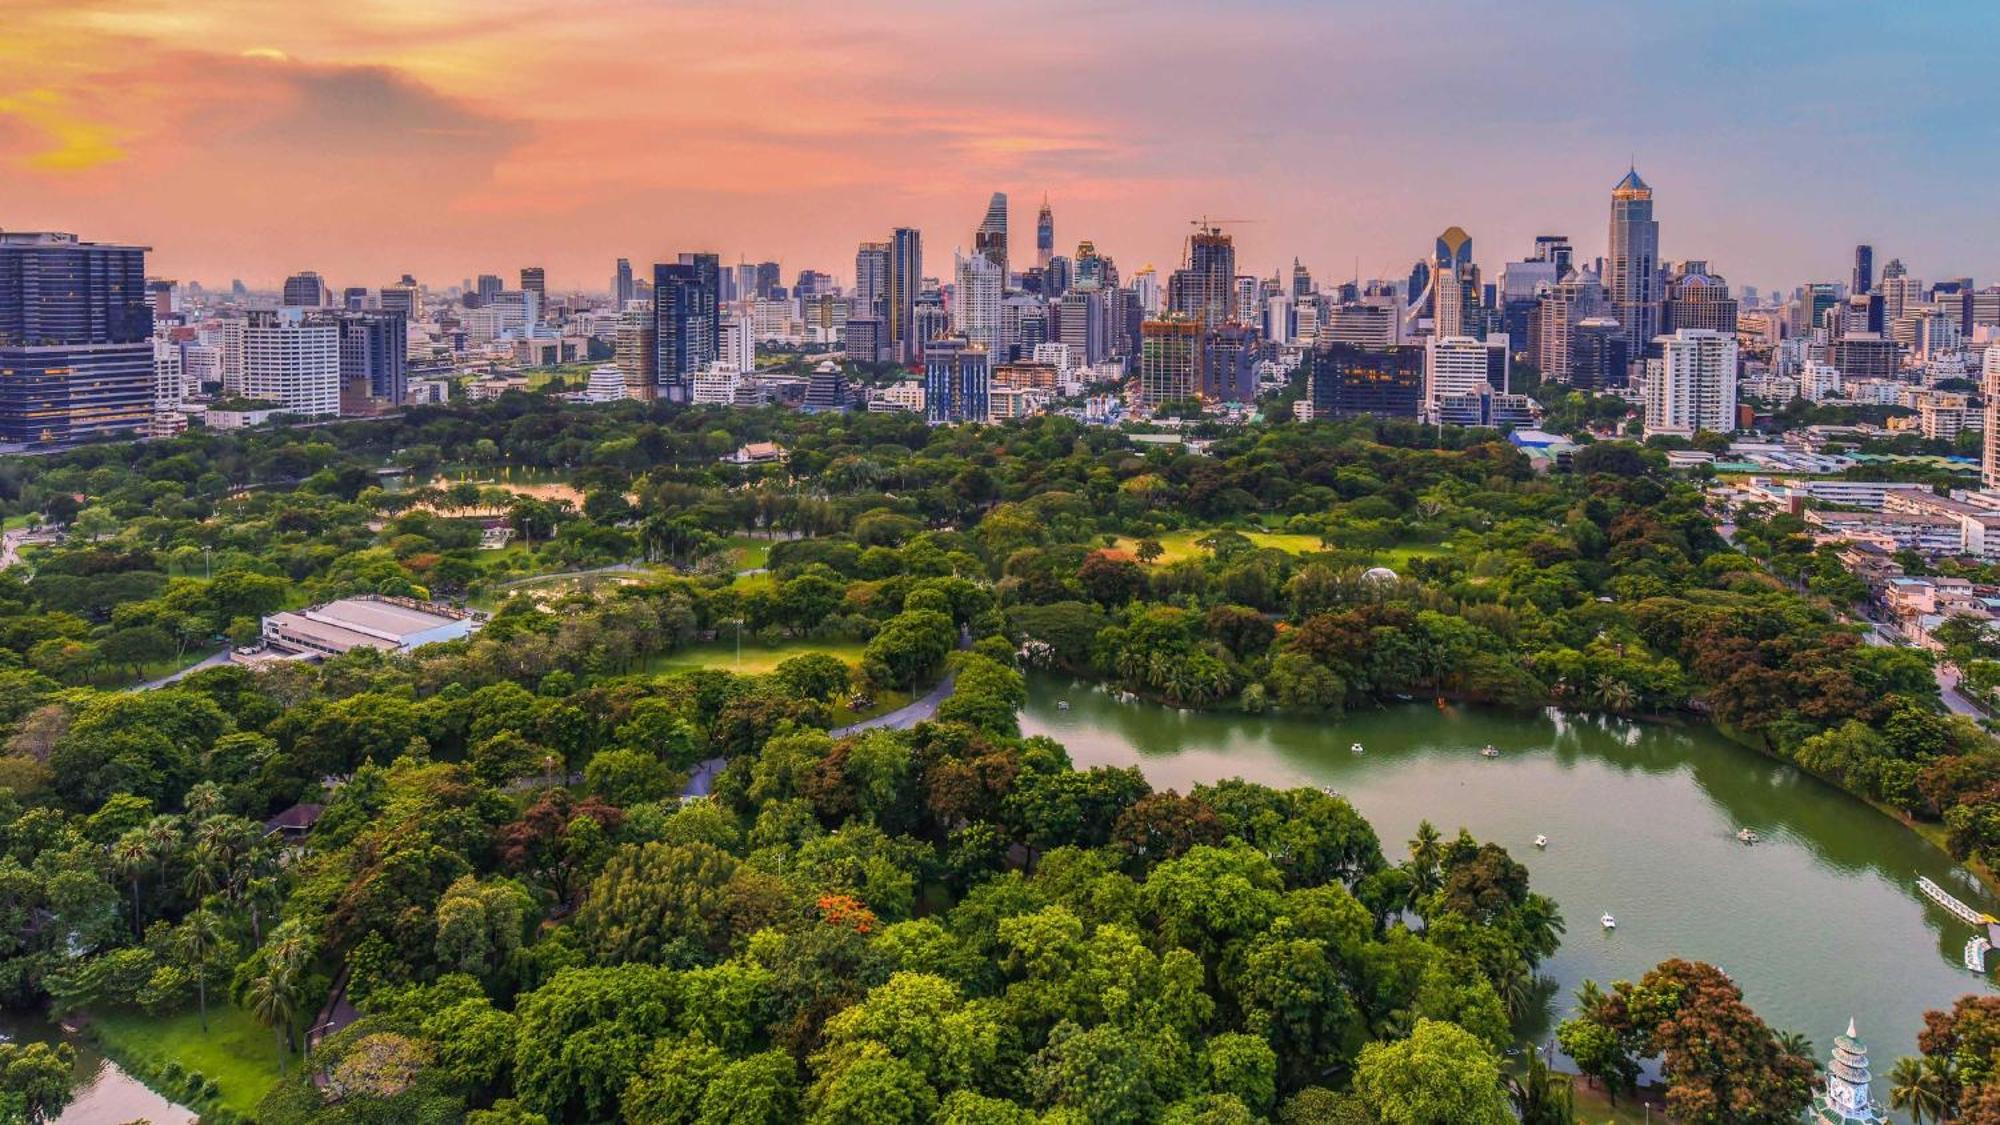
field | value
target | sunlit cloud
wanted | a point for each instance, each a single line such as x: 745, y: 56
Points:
x: 71, y: 143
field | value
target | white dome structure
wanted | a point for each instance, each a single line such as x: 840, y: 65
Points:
x: 1379, y: 574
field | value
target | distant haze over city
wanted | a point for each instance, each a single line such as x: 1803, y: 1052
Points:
x: 450, y: 138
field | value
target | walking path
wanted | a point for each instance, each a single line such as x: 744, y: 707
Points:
x: 702, y: 781
x: 208, y: 661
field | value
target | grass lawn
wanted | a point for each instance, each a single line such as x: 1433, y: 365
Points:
x: 757, y: 657
x: 1593, y: 1108
x: 749, y: 552
x: 1181, y: 545
x: 238, y: 1053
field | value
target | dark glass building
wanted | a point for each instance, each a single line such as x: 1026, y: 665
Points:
x: 1598, y: 359
x: 76, y: 346
x: 1345, y: 380
x: 374, y: 364
x: 958, y: 383
x: 687, y: 321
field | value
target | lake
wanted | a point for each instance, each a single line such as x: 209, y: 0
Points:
x: 1819, y: 922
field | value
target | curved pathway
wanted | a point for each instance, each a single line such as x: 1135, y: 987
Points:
x: 902, y: 718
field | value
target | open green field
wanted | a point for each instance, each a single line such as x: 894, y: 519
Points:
x: 238, y: 1053
x: 1181, y: 545
x: 758, y: 658
x: 748, y: 552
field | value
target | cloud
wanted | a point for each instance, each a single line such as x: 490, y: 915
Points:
x: 69, y: 142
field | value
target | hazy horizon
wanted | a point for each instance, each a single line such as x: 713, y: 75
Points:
x: 449, y: 139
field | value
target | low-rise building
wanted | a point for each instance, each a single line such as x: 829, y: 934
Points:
x: 369, y: 621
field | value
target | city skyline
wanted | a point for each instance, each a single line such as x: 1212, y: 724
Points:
x: 375, y: 140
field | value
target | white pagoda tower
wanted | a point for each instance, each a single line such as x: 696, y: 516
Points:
x: 1844, y: 1100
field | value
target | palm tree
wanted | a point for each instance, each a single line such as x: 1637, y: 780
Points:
x: 129, y: 857
x: 163, y: 839
x: 1616, y: 695
x: 1541, y: 1097
x: 273, y: 1000
x: 1426, y: 850
x: 1917, y: 1086
x: 1795, y: 1043
x: 205, y: 872
x: 195, y: 941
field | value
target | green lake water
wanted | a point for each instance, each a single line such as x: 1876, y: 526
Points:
x: 1819, y: 922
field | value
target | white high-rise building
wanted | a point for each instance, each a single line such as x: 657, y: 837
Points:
x: 739, y: 344
x: 1818, y: 381
x: 169, y: 379
x: 1061, y: 355
x: 975, y: 301
x: 1692, y: 386
x: 229, y: 333
x: 1146, y: 287
x: 1990, y: 462
x: 1460, y: 365
x: 293, y: 359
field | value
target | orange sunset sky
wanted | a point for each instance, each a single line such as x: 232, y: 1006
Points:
x: 450, y: 137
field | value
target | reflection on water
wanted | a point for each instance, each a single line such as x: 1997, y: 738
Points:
x: 1820, y: 922
x: 105, y: 1094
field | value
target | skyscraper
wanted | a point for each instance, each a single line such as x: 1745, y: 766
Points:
x: 1990, y: 462
x: 1692, y: 385
x: 1045, y: 236
x: 1699, y: 300
x: 1454, y: 284
x: 304, y: 290
x: 871, y: 279
x: 906, y: 278
x: 76, y: 348
x: 532, y: 281
x: 1205, y: 289
x: 1863, y: 280
x: 687, y: 321
x: 768, y: 279
x: 489, y: 287
x: 1170, y: 356
x: 1632, y: 268
x: 621, y: 283
x: 1344, y: 380
x: 990, y: 240
x: 975, y: 308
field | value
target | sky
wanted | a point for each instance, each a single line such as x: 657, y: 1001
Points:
x: 445, y: 138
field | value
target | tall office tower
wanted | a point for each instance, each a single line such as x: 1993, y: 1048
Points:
x: 1597, y: 356
x: 1169, y: 361
x: 1554, y: 249
x: 686, y: 321
x: 532, y: 281
x: 1087, y: 265
x: 160, y: 294
x: 636, y: 352
x: 1245, y: 300
x: 1302, y: 281
x: 906, y: 280
x: 304, y: 291
x: 374, y: 349
x: 76, y: 338
x: 1454, y: 285
x: 768, y: 280
x: 1205, y: 288
x: 1083, y: 324
x: 1522, y: 284
x: 354, y: 298
x: 739, y: 344
x: 1699, y: 300
x: 865, y: 339
x: 1024, y: 323
x: 1229, y: 363
x: 1146, y: 289
x: 489, y: 287
x: 990, y: 240
x: 1863, y: 280
x: 1815, y: 300
x: 1990, y: 462
x: 400, y: 299
x: 292, y: 357
x: 1343, y: 380
x: 871, y: 278
x: 958, y: 379
x: 1692, y: 385
x: 1045, y: 236
x: 975, y: 309
x: 1561, y: 308
x: 1632, y: 268
x: 621, y: 283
